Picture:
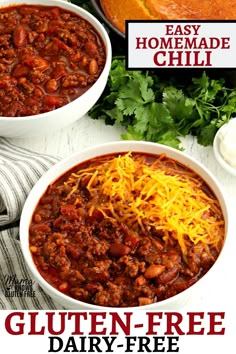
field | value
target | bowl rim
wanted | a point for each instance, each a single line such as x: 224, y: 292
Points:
x: 66, y: 164
x: 216, y: 150
x: 99, y: 28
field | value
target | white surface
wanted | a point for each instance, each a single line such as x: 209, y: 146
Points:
x: 217, y: 294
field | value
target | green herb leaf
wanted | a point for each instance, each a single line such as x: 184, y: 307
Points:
x: 164, y: 110
x: 206, y: 135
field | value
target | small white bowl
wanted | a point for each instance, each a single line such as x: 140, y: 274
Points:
x: 216, y: 147
x: 47, y: 123
x: 175, y: 302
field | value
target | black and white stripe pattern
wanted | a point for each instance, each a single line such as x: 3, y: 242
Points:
x: 19, y: 171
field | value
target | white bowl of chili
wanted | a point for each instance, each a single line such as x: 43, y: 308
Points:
x: 124, y: 224
x: 55, y: 59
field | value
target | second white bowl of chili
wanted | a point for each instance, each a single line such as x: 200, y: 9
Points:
x: 55, y: 59
x: 124, y: 224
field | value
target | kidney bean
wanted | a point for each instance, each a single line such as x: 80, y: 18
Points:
x: 47, y: 199
x: 51, y: 86
x: 93, y: 67
x: 84, y: 61
x: 38, y: 92
x: 154, y: 270
x: 91, y: 49
x: 118, y: 249
x: 19, y: 36
x: 131, y: 241
x: 40, y: 228
x: 167, y: 276
x: 20, y: 70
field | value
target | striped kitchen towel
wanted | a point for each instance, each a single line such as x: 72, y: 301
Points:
x: 19, y: 171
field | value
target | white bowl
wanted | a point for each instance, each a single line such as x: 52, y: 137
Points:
x: 47, y: 123
x: 216, y: 147
x: 60, y: 168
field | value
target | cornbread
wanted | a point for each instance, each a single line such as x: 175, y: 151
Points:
x: 119, y: 11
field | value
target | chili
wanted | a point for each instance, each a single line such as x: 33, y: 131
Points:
x: 81, y: 246
x: 49, y: 56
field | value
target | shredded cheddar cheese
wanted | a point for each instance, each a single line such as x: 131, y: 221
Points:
x: 154, y: 195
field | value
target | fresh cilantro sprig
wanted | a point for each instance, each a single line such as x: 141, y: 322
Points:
x: 161, y: 110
